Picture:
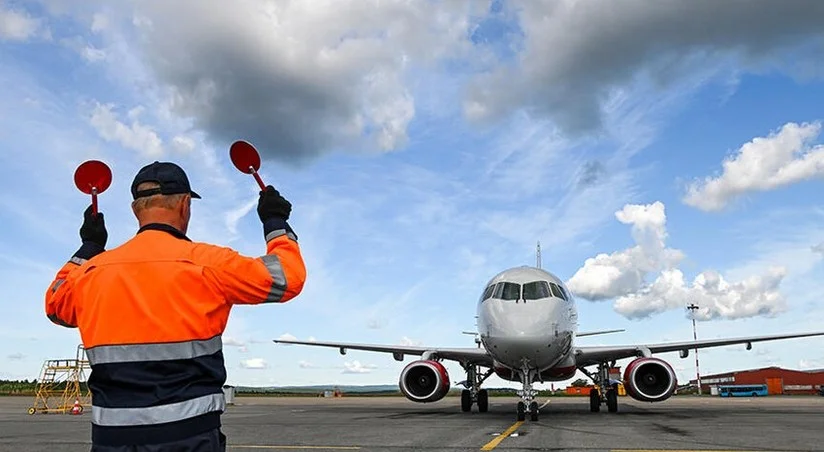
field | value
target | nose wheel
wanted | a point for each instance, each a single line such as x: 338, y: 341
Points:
x: 528, y: 394
x: 533, y: 411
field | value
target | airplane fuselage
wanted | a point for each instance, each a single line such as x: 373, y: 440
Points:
x: 527, y: 321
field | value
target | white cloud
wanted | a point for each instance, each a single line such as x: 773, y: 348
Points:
x: 16, y: 356
x: 100, y: 22
x: 623, y: 272
x: 232, y: 342
x: 818, y: 248
x: 765, y: 163
x: 183, y: 144
x: 311, y: 339
x: 409, y: 342
x: 287, y: 337
x: 755, y: 296
x: 232, y: 217
x: 138, y: 137
x: 355, y: 367
x: 623, y: 275
x: 17, y: 25
x: 254, y: 363
x: 318, y: 74
x: 306, y: 365
x: 92, y: 54
x: 807, y: 364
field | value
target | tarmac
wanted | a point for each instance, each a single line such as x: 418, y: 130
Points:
x: 706, y: 423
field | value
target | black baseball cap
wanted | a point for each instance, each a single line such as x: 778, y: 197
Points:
x: 172, y: 180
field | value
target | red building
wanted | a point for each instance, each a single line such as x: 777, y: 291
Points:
x: 778, y: 380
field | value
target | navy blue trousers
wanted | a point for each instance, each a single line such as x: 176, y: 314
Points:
x: 211, y: 441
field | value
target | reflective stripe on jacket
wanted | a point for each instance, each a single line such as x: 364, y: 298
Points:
x: 151, y: 313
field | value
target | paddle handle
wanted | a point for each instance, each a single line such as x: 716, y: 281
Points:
x: 94, y: 201
x: 257, y: 178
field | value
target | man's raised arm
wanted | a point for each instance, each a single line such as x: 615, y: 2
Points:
x: 276, y: 277
x: 59, y: 303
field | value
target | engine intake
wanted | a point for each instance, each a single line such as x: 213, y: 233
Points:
x: 424, y: 381
x: 649, y: 380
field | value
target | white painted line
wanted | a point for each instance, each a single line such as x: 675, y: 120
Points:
x: 545, y: 404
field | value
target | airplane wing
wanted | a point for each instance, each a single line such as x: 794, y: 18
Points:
x: 475, y: 355
x: 590, y: 355
x: 596, y: 333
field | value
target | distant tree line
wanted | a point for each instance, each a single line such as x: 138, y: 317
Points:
x: 29, y: 387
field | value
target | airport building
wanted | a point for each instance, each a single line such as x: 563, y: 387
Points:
x: 778, y: 380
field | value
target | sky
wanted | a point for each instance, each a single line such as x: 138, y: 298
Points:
x: 662, y: 154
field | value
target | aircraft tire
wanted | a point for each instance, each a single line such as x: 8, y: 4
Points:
x: 466, y: 401
x: 594, y: 401
x: 533, y: 411
x: 483, y: 401
x: 521, y: 411
x: 612, y: 401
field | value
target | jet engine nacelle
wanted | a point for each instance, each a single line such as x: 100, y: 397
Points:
x: 649, y: 380
x: 424, y: 381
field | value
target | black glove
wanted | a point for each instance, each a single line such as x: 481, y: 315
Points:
x: 272, y: 205
x: 94, y: 228
x: 93, y: 234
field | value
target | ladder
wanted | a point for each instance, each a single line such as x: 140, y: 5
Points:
x: 59, y: 385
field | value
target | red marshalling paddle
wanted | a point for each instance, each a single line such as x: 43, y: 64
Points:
x: 246, y: 159
x: 93, y: 177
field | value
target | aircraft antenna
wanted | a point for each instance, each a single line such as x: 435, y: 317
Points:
x: 538, y: 255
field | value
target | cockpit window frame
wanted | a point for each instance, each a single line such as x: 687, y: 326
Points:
x: 506, y: 288
x: 557, y: 292
x: 501, y: 286
x: 487, y: 293
x: 541, y: 283
x: 564, y: 291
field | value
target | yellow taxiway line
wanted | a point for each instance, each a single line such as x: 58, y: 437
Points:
x: 284, y: 447
x: 494, y: 443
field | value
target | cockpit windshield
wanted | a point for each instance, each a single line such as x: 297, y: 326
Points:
x: 488, y: 292
x: 536, y: 290
x: 507, y: 291
x: 557, y: 291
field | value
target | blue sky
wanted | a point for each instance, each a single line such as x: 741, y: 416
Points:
x: 424, y: 152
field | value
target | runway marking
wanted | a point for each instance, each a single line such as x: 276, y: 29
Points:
x: 284, y: 447
x: 494, y: 443
x: 545, y: 404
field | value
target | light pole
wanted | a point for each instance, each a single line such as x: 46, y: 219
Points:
x: 692, y: 307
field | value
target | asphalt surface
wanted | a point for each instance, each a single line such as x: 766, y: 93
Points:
x: 395, y: 424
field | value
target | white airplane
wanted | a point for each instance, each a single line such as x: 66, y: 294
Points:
x: 527, y: 326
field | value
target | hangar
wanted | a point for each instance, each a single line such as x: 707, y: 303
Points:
x: 777, y: 379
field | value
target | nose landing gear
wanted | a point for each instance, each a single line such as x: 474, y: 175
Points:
x: 527, y: 395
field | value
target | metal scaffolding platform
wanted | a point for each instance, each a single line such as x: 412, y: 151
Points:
x: 59, y: 385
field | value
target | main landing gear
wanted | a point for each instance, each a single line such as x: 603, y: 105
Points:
x: 527, y: 395
x: 606, y: 392
x: 474, y: 393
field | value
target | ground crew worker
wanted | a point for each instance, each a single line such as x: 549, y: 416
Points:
x: 151, y: 313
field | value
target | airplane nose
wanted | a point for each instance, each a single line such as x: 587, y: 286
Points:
x: 527, y: 320
x: 523, y: 330
x: 539, y: 351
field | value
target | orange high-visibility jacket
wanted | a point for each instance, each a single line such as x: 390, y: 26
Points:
x: 151, y: 313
